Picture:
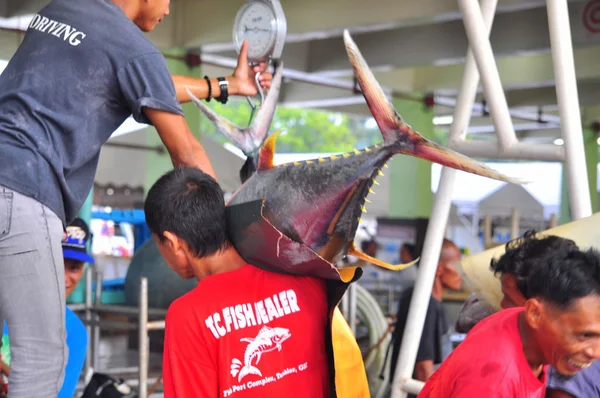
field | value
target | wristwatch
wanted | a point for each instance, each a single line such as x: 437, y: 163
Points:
x: 224, y: 87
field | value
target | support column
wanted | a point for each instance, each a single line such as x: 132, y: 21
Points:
x: 410, y: 177
x: 591, y: 159
x: 158, y: 164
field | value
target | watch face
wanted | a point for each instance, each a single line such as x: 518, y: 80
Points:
x: 256, y: 22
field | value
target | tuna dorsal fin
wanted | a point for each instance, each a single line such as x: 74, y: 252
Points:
x: 267, y: 152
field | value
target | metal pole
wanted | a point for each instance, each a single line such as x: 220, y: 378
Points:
x: 514, y: 225
x: 89, y: 357
x: 315, y: 78
x: 402, y: 379
x: 519, y: 150
x: 568, y: 104
x: 143, y: 339
x: 422, y: 291
x: 96, y: 317
x: 478, y: 34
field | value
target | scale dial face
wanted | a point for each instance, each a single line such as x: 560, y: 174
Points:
x: 257, y: 23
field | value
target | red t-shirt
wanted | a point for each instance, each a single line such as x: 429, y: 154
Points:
x: 248, y: 333
x: 489, y: 363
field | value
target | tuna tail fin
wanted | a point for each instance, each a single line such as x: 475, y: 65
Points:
x: 248, y: 370
x: 396, y: 131
x: 248, y: 140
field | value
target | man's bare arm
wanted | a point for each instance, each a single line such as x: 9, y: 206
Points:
x: 199, y: 87
x: 241, y: 82
x: 424, y: 370
x: 183, y: 147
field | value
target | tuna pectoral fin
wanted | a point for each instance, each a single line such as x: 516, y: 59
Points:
x: 353, y: 251
x: 232, y: 131
x: 433, y: 152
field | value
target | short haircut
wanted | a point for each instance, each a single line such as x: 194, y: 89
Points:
x: 566, y: 276
x: 412, y: 249
x: 524, y: 253
x: 190, y: 204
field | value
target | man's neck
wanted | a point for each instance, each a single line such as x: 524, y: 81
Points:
x: 130, y: 8
x: 225, y: 261
x: 531, y: 350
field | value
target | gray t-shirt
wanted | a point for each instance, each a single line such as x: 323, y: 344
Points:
x: 82, y: 69
x: 585, y: 383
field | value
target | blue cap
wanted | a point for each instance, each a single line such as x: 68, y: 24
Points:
x: 74, y: 243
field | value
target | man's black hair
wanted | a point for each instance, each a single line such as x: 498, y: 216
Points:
x: 566, y: 276
x: 524, y: 253
x: 412, y: 249
x: 190, y: 204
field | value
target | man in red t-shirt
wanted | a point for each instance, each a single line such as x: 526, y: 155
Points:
x: 507, y: 353
x: 242, y: 332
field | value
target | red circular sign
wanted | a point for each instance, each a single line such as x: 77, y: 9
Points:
x: 591, y: 16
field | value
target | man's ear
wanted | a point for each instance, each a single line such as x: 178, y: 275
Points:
x: 172, y: 241
x: 534, y: 313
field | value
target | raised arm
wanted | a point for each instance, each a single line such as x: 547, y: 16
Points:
x: 240, y: 83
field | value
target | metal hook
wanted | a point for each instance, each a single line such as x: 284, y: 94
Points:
x: 260, y: 91
x: 262, y: 97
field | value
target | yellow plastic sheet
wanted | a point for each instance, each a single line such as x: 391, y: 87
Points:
x: 350, y: 374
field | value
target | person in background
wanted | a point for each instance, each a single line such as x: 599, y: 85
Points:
x: 556, y: 322
x: 74, y: 249
x: 435, y: 344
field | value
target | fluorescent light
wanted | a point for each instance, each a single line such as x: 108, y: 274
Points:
x: 559, y: 141
x: 443, y: 120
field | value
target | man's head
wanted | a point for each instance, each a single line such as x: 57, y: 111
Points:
x: 146, y: 14
x: 407, y: 253
x: 185, y: 211
x: 446, y: 271
x: 563, y: 311
x: 369, y: 247
x: 520, y: 257
x: 74, y: 246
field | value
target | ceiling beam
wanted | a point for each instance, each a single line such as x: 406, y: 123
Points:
x: 517, y: 32
x: 516, y: 71
x: 204, y: 27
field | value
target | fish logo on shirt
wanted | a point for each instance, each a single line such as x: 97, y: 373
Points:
x: 268, y: 339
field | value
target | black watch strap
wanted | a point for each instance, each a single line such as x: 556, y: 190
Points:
x: 224, y: 87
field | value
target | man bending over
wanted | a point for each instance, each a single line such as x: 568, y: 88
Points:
x: 507, y: 353
x: 242, y: 331
x: 513, y: 268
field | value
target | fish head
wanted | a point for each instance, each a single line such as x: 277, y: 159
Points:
x: 279, y: 335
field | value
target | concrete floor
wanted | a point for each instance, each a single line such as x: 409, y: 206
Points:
x: 116, y: 359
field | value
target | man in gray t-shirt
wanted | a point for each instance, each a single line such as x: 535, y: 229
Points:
x: 83, y: 67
